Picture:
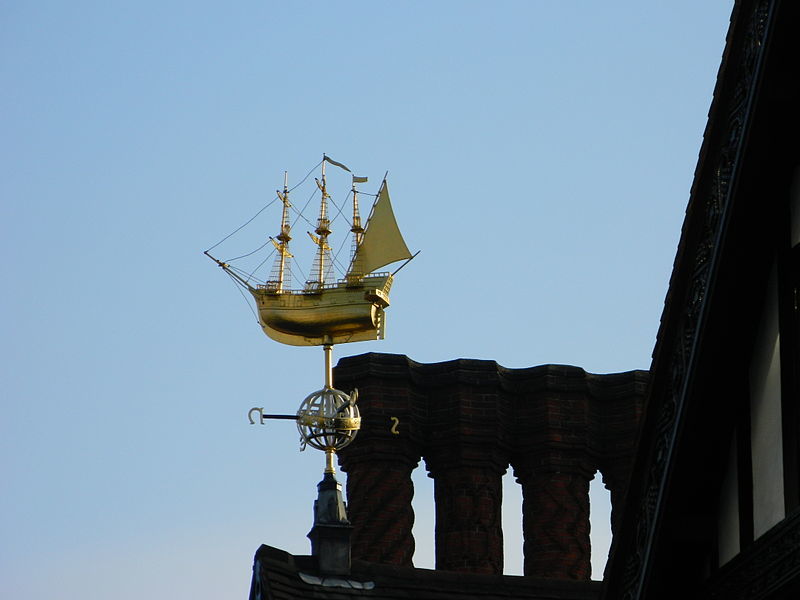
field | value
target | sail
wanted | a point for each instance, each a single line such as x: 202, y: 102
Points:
x: 382, y: 242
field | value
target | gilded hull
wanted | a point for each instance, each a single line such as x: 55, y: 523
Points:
x: 336, y: 314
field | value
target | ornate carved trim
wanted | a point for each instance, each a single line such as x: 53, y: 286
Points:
x: 711, y: 201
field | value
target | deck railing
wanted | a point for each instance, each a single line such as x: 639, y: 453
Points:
x: 272, y: 286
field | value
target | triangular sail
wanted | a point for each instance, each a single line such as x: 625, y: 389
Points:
x: 382, y: 243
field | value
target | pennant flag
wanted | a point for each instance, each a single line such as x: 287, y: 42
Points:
x: 359, y: 179
x: 333, y: 162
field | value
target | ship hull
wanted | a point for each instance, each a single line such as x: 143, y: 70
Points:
x: 336, y: 314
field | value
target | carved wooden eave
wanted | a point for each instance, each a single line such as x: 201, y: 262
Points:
x: 689, y: 414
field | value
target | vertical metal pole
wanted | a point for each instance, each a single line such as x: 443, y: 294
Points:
x: 322, y: 229
x: 327, y: 348
x: 329, y: 463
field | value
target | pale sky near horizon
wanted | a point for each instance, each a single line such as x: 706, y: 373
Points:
x: 540, y: 156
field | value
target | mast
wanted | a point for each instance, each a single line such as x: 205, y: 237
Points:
x: 322, y: 231
x: 284, y: 236
x: 357, y: 230
x: 282, y: 245
x: 381, y: 242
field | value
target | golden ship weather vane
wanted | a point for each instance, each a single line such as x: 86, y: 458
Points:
x: 326, y: 310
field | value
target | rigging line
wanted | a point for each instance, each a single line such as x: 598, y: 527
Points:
x: 236, y: 277
x: 372, y: 208
x: 300, y: 214
x: 336, y: 256
x: 250, y: 306
x: 244, y: 275
x: 244, y: 225
x: 314, y: 168
x: 302, y: 273
x: 261, y: 264
x: 340, y: 209
x: 263, y: 209
x: 253, y: 252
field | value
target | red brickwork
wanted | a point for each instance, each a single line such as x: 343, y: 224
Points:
x: 555, y: 524
x: 469, y: 533
x: 386, y: 486
x: 379, y: 465
x: 469, y: 420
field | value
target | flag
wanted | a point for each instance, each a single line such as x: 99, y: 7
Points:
x: 333, y: 162
x: 359, y: 179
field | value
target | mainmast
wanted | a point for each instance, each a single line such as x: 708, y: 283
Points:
x: 322, y: 231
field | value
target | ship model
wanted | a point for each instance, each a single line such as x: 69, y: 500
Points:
x: 325, y: 310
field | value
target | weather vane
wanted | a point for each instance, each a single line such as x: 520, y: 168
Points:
x: 325, y: 310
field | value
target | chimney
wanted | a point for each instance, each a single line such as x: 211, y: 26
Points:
x: 469, y: 420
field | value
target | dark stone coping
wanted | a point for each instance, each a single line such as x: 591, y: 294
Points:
x: 464, y: 371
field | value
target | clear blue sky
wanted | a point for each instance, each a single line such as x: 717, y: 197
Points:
x: 540, y: 156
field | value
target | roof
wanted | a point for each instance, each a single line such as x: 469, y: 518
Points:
x: 278, y: 575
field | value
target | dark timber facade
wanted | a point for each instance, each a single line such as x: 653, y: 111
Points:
x: 713, y: 508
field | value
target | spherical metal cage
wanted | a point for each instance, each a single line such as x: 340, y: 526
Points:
x: 328, y: 419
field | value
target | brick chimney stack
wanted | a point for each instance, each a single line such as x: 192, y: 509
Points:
x: 470, y: 420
